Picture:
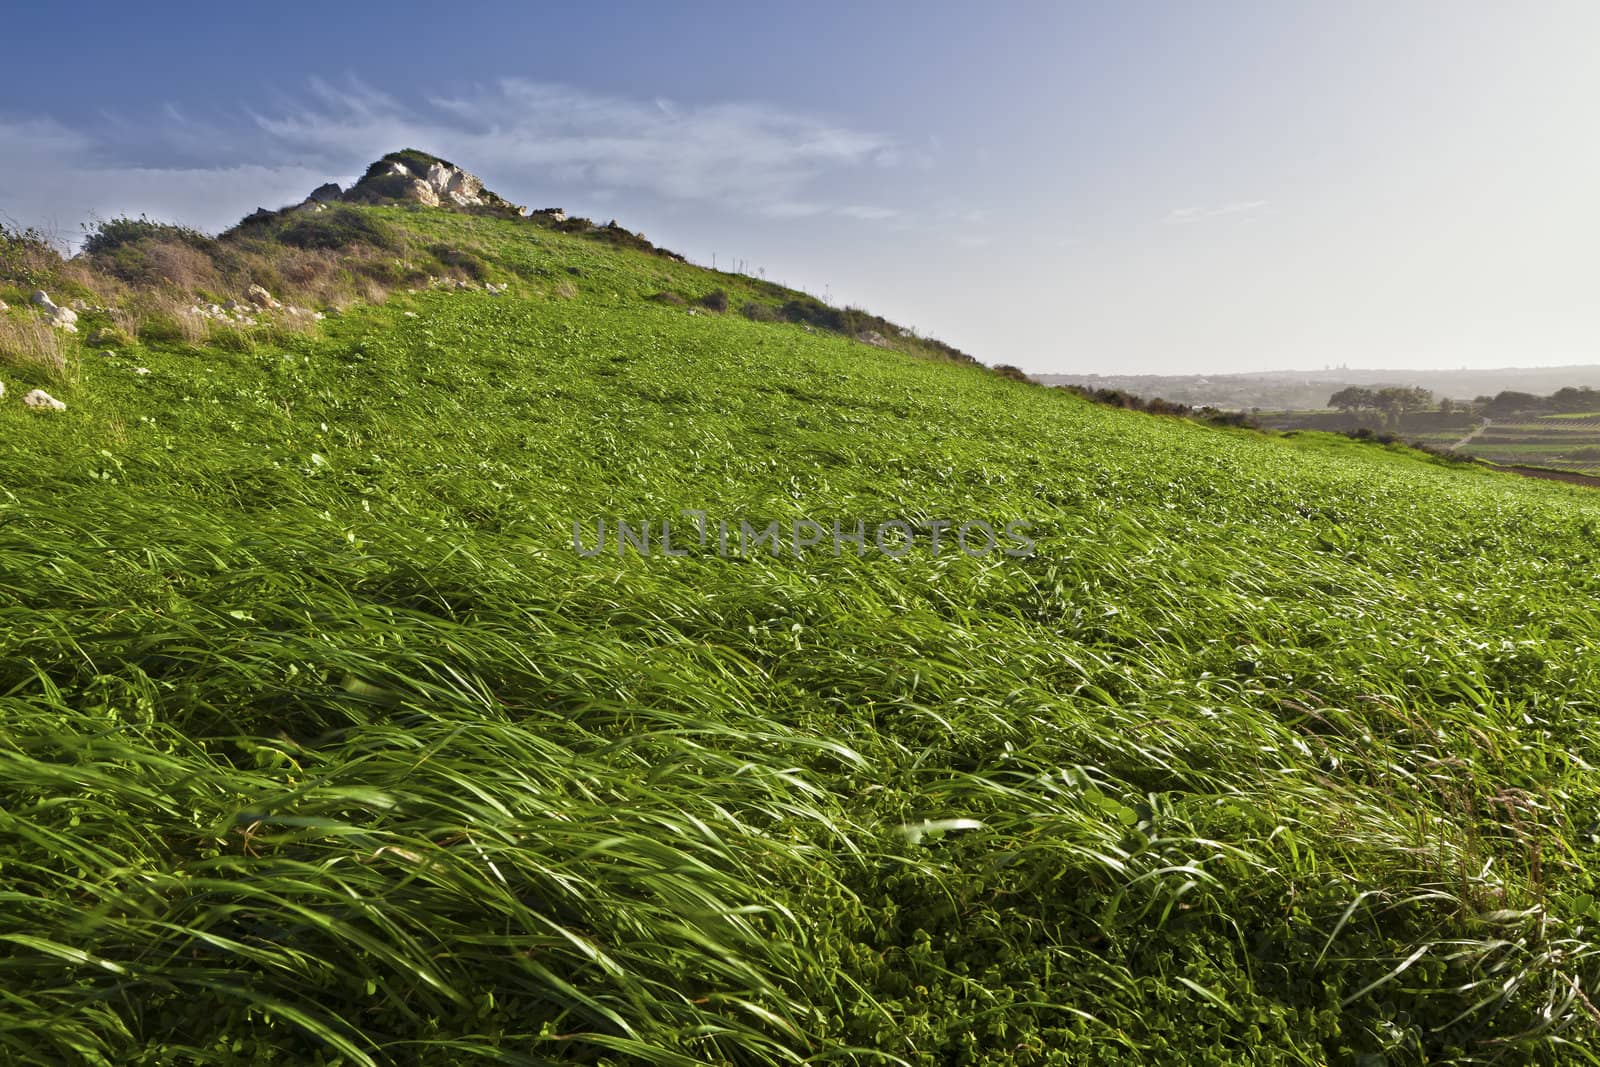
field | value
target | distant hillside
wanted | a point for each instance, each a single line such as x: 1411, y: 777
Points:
x: 1311, y: 389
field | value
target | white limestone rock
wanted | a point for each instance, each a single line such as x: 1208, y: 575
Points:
x: 424, y: 193
x: 39, y: 400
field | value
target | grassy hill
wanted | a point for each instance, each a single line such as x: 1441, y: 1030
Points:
x: 323, y: 744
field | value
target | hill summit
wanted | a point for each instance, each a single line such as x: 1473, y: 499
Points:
x: 408, y: 176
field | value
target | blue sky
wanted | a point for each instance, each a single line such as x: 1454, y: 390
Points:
x: 1069, y: 187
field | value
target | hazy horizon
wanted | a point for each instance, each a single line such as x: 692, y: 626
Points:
x: 1165, y: 189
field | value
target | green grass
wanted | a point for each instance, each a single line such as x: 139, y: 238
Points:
x: 321, y: 743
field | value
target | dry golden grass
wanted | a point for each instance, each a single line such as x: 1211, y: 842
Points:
x: 29, y: 343
x: 283, y: 325
x: 188, y: 269
x: 164, y: 315
x: 370, y: 292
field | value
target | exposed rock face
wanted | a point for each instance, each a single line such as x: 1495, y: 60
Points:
x: 4, y: 306
x: 39, y: 400
x: 423, y: 191
x: 423, y: 179
x: 323, y: 194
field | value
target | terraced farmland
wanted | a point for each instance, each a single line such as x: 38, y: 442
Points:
x: 1564, y: 442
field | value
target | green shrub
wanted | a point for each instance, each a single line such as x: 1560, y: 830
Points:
x: 339, y: 227
x: 716, y: 300
x: 159, y: 327
x: 670, y: 299
x: 466, y: 262
x: 27, y: 257
x: 412, y: 158
x: 109, y: 235
x: 758, y: 312
x: 110, y: 336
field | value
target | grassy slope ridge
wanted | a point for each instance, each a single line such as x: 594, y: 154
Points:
x: 321, y: 743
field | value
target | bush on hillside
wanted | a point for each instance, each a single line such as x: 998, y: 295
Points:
x: 809, y: 311
x: 459, y: 259
x: 852, y: 322
x: 758, y: 312
x: 716, y: 300
x: 1378, y: 437
x: 27, y: 257
x: 412, y: 158
x: 107, y: 235
x: 1217, y: 417
x: 339, y: 227
x: 670, y: 299
x: 156, y: 259
x: 1120, y: 398
x: 1016, y: 374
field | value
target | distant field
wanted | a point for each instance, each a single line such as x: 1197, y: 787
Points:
x: 1564, y: 442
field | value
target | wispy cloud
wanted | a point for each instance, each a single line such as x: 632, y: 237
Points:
x: 1195, y: 214
x: 59, y: 178
x: 524, y: 137
x: 868, y: 212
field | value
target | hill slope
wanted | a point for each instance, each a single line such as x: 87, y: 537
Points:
x: 322, y: 740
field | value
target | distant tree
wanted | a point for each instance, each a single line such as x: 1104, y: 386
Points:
x: 1509, y: 402
x: 1447, y: 406
x: 1396, y: 400
x: 1575, y: 399
x: 1353, y: 398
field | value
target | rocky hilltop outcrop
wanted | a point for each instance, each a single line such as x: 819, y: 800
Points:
x: 424, y: 179
x: 413, y: 177
x: 408, y: 176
